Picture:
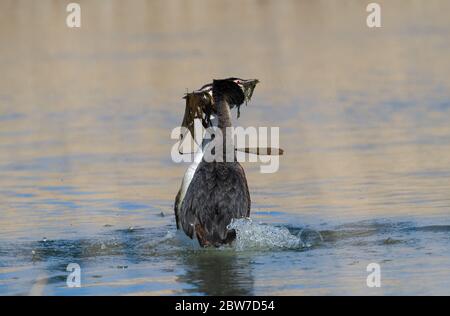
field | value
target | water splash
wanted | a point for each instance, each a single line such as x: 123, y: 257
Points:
x: 250, y: 235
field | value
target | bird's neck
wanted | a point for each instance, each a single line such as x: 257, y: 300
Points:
x: 224, y: 122
x: 223, y: 111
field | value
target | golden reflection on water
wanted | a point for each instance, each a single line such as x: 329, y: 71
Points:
x: 86, y: 114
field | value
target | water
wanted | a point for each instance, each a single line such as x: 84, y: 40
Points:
x: 86, y: 175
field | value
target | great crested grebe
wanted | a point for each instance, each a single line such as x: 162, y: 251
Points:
x: 200, y: 107
x: 217, y: 191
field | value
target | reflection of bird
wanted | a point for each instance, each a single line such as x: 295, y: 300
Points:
x: 218, y: 191
x: 200, y: 106
x: 216, y: 272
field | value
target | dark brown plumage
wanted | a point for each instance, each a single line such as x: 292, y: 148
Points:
x: 218, y: 191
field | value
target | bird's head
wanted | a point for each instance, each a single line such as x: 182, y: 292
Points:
x: 247, y: 87
x: 200, y: 103
x: 238, y: 91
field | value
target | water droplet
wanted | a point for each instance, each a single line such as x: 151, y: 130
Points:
x: 251, y: 235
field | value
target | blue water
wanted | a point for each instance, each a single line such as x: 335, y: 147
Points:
x: 86, y: 175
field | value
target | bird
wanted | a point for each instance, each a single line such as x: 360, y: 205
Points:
x: 200, y: 106
x: 218, y: 190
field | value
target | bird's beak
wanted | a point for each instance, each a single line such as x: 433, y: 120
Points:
x: 252, y: 82
x: 248, y: 88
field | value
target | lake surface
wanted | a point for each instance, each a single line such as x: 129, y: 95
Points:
x: 86, y: 174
